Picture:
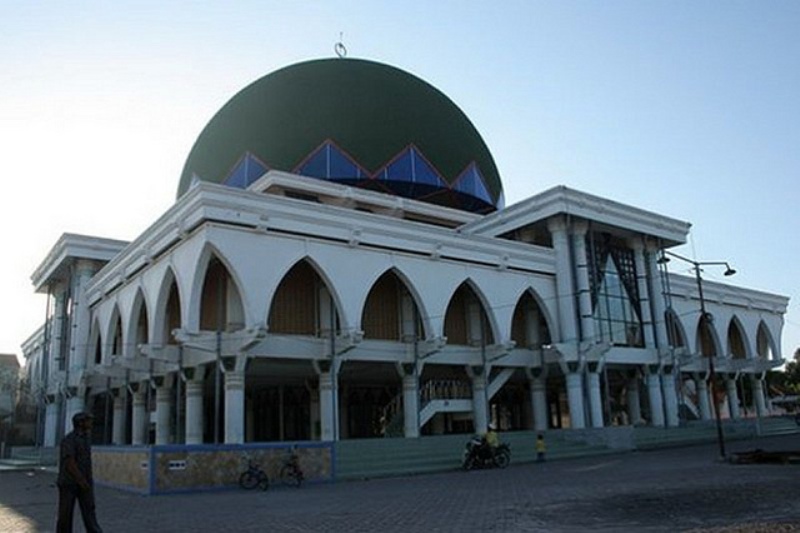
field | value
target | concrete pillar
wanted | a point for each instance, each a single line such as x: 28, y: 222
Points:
x: 234, y: 407
x: 327, y: 406
x: 702, y: 397
x: 194, y: 411
x: 644, y: 292
x: 480, y: 415
x: 733, y: 397
x: 564, y: 293
x: 634, y: 401
x: 139, y: 417
x: 75, y: 404
x: 539, y: 403
x: 316, y: 421
x: 57, y: 330
x: 595, y: 399
x: 656, y: 400
x: 118, y: 418
x: 50, y: 425
x: 84, y: 270
x: 164, y: 398
x: 668, y: 383
x: 411, y: 406
x: 579, y: 230
x: 758, y: 395
x: 657, y: 298
x: 575, y: 400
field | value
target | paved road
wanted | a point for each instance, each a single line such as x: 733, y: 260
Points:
x: 682, y: 489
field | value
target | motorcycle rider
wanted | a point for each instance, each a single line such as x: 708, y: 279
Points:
x: 491, y: 440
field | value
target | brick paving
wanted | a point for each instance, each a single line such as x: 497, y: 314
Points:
x: 683, y: 489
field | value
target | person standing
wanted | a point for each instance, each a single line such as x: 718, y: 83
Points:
x: 75, y: 480
x: 541, y: 448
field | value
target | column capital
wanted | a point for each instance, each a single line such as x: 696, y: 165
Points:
x: 557, y: 224
x: 579, y: 227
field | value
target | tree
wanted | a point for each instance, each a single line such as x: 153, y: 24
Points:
x: 792, y: 373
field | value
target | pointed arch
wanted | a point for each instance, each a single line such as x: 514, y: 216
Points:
x: 218, y: 295
x: 466, y: 321
x: 676, y: 335
x: 96, y: 343
x: 115, y: 338
x: 765, y: 344
x: 138, y: 327
x: 530, y: 327
x: 707, y: 343
x: 391, y: 310
x: 168, y: 311
x: 304, y: 303
x: 738, y: 346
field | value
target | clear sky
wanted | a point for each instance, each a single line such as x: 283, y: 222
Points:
x: 690, y: 109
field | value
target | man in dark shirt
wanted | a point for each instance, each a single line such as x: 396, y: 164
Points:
x: 75, y: 476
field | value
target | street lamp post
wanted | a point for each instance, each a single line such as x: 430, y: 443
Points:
x: 707, y: 318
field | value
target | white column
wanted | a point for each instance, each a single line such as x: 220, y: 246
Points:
x: 634, y: 401
x: 411, y: 406
x: 164, y: 397
x: 84, y: 270
x: 595, y: 399
x: 50, y: 424
x: 234, y: 407
x: 539, y: 403
x: 57, y: 329
x: 670, y: 399
x: 327, y: 403
x: 702, y: 397
x: 644, y: 291
x: 118, y: 420
x: 74, y: 405
x: 564, y: 292
x: 194, y: 411
x: 139, y: 420
x: 656, y: 400
x: 758, y: 395
x: 657, y: 298
x: 579, y: 230
x: 479, y: 408
x: 575, y: 400
x: 733, y: 397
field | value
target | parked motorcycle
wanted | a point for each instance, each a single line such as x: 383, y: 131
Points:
x: 478, y: 454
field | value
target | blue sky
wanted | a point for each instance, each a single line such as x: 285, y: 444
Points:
x: 686, y: 108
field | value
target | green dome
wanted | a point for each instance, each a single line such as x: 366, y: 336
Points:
x: 367, y: 117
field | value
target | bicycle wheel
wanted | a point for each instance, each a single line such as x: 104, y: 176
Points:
x: 263, y: 482
x: 248, y: 480
x: 290, y: 475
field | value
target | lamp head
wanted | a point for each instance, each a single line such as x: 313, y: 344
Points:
x: 729, y: 271
x: 663, y: 260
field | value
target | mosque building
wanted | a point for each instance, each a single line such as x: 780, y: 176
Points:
x: 339, y: 264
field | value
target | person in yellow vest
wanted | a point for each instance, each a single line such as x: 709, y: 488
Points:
x: 541, y: 448
x: 491, y: 440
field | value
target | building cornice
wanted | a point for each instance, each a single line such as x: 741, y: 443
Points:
x: 562, y: 200
x: 68, y: 248
x: 728, y: 295
x: 208, y: 203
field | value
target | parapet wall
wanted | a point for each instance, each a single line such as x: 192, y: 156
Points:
x: 186, y: 468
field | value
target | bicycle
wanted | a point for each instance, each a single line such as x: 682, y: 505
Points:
x: 291, y: 473
x: 253, y: 477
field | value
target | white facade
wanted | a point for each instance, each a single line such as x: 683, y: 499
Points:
x: 252, y: 315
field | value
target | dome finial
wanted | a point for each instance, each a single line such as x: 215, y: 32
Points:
x: 339, y: 48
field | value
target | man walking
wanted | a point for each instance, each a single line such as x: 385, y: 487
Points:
x: 75, y: 476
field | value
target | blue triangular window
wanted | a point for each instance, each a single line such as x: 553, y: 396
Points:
x: 340, y: 166
x: 399, y: 169
x: 471, y: 183
x: 423, y: 172
x: 246, y: 171
x: 316, y: 165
